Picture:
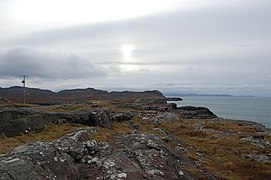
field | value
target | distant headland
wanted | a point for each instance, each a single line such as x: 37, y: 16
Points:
x: 35, y: 95
x: 203, y: 95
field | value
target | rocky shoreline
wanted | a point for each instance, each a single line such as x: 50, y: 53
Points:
x: 139, y: 139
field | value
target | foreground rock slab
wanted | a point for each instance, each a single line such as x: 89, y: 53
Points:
x: 78, y: 156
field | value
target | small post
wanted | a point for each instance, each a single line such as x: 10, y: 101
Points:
x: 23, y: 81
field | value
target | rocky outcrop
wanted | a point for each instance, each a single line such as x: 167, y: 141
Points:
x: 17, y: 121
x: 191, y: 112
x: 78, y: 156
x: 7, y: 114
x: 159, y: 117
x: 174, y: 99
x: 172, y: 112
x: 14, y: 122
x: 21, y: 126
x: 43, y: 160
x: 121, y: 116
x: 147, y: 156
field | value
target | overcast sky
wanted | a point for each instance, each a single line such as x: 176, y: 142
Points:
x: 189, y: 46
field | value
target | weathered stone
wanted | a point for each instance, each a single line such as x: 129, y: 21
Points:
x: 19, y: 126
x: 8, y: 114
x: 191, y: 112
x: 77, y: 151
x: 14, y: 122
x: 56, y: 117
x: 82, y: 117
x: 78, y: 156
x: 121, y: 117
x: 174, y: 99
x: 39, y: 160
x: 101, y: 118
x: 146, y: 155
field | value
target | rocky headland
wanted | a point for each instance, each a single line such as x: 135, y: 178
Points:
x: 174, y: 99
x: 126, y: 137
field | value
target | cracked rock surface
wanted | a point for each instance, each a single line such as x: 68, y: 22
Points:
x: 78, y: 156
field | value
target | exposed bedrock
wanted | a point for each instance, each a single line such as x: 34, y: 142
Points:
x: 78, y: 156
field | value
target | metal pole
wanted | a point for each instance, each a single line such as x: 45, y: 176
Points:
x: 24, y: 76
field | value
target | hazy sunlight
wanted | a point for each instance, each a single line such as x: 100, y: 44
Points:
x: 127, y: 51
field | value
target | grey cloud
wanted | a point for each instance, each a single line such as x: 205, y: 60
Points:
x: 189, y: 25
x: 210, y: 48
x: 172, y: 36
x: 46, y: 64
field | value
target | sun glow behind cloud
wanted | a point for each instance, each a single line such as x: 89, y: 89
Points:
x: 132, y: 41
x: 127, y: 51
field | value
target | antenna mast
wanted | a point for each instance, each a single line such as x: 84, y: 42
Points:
x: 23, y: 81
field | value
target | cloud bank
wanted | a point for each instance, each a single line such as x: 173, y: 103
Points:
x: 46, y: 64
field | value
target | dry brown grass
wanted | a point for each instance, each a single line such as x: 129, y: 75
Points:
x: 23, y: 105
x: 64, y: 108
x: 222, y: 154
x: 51, y: 132
x: 104, y: 134
x: 230, y: 125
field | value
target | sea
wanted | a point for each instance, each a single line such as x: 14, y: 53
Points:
x: 257, y: 109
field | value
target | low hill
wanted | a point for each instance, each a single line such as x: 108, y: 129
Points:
x: 34, y: 95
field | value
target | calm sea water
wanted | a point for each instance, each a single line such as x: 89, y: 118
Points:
x: 256, y: 109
